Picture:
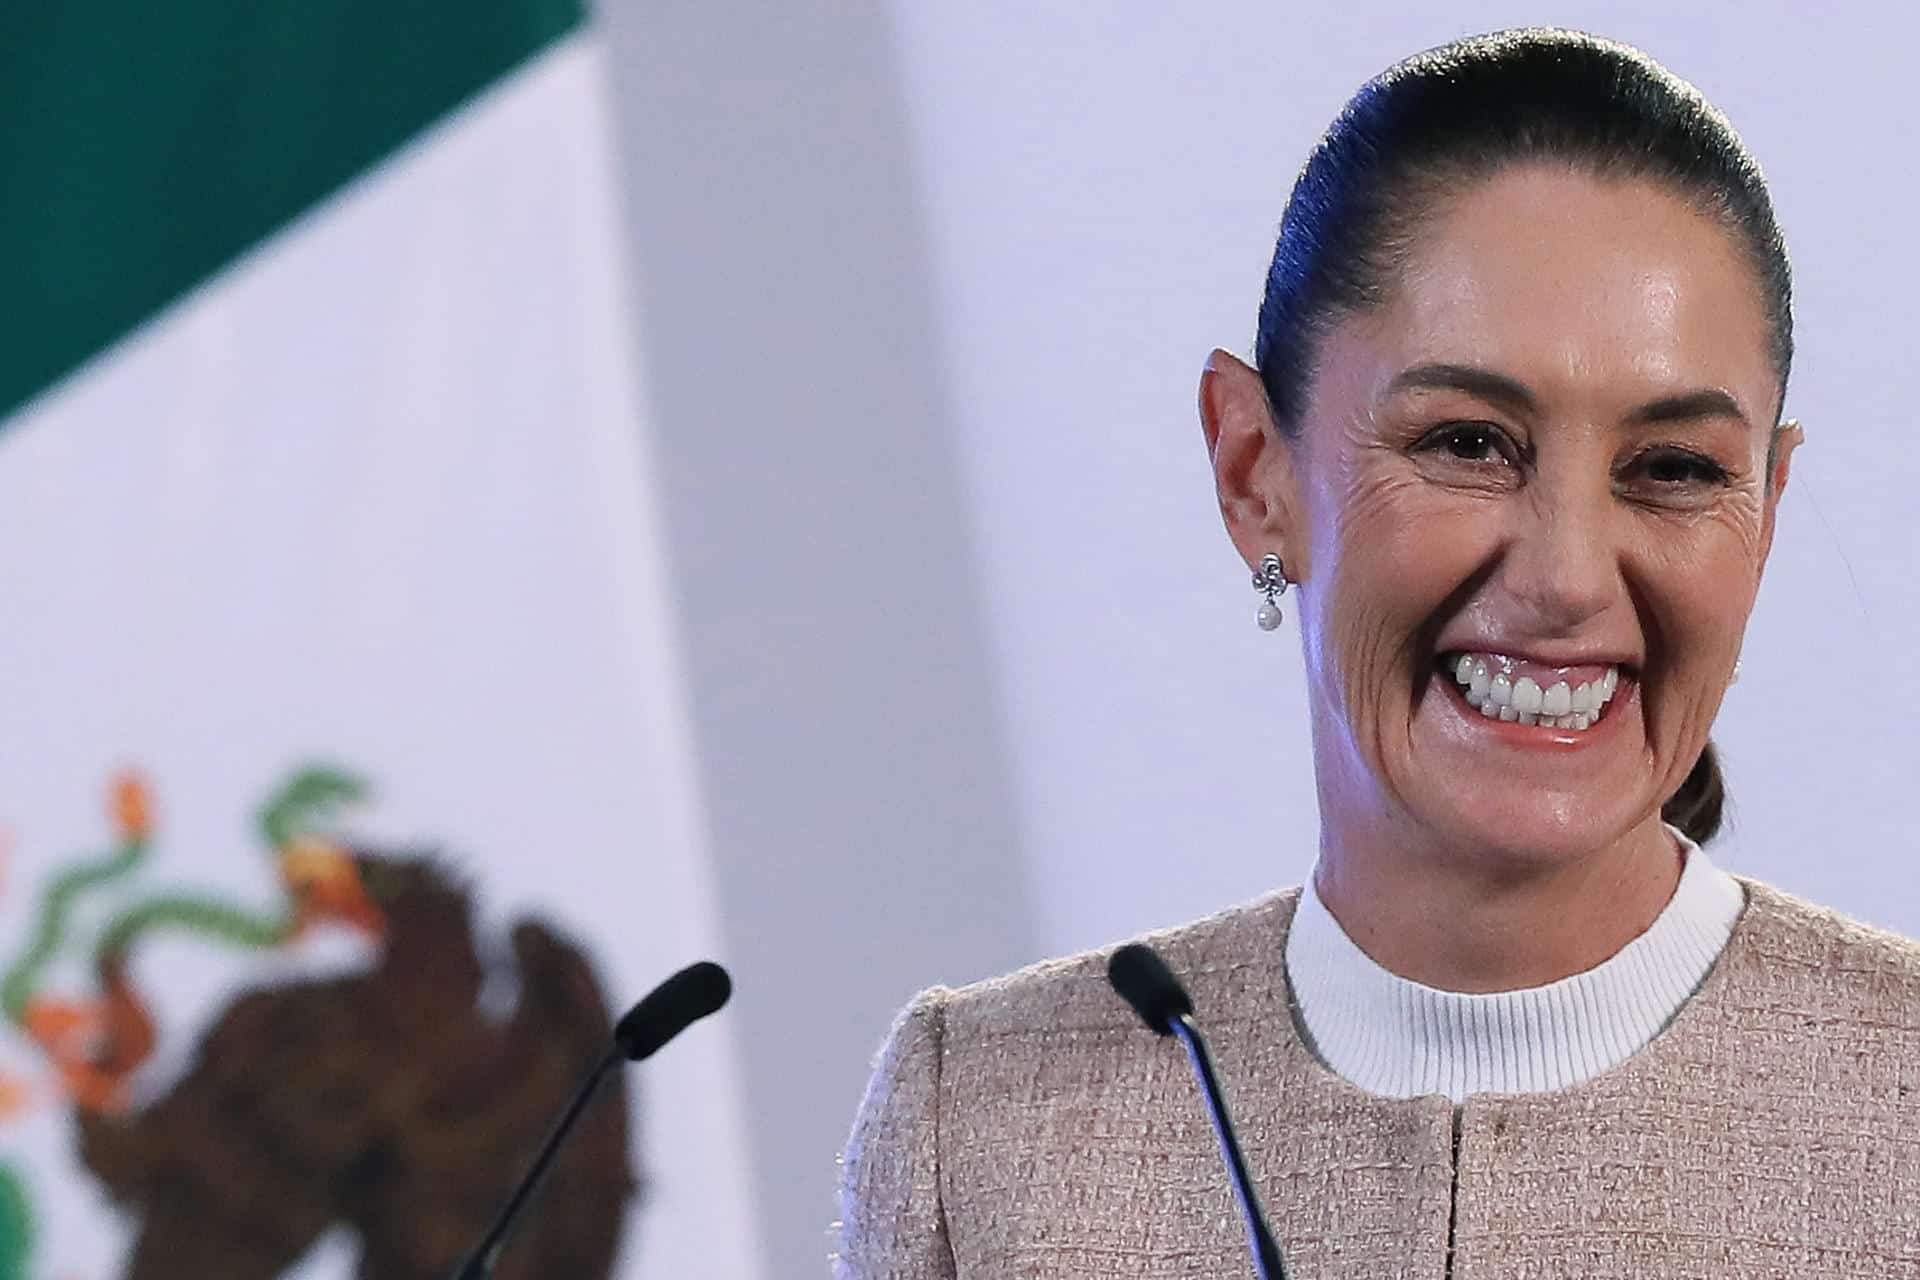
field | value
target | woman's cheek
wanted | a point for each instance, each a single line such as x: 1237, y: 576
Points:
x: 1373, y: 623
x: 1412, y: 544
x: 1697, y: 590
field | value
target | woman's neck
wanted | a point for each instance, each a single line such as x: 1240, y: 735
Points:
x: 1460, y: 923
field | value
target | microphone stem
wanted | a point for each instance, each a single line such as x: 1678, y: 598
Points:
x: 1266, y: 1254
x: 479, y: 1263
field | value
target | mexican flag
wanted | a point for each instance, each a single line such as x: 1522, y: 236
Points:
x: 346, y: 785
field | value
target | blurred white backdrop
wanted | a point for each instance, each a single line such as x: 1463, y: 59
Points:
x: 927, y: 291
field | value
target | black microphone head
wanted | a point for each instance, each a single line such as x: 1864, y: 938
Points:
x: 1143, y: 980
x: 670, y: 1008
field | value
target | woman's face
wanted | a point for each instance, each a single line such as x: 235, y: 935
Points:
x: 1529, y: 508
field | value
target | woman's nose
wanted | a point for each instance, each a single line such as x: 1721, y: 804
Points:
x: 1561, y: 564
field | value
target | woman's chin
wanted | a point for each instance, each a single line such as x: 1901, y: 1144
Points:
x: 1522, y: 793
x: 1462, y: 805
x: 1535, y: 831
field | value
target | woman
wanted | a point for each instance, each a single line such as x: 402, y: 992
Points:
x: 1515, y: 433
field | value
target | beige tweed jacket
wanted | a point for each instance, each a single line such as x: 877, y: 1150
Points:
x: 1030, y: 1127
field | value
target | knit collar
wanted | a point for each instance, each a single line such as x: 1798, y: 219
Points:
x: 1401, y: 1039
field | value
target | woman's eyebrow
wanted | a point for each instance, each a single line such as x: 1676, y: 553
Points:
x: 1689, y: 406
x: 1685, y: 406
x: 1488, y: 385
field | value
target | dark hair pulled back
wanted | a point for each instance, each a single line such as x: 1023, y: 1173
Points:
x: 1461, y: 113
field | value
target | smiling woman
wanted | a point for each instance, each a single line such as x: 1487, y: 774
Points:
x: 1513, y: 429
x: 1536, y: 454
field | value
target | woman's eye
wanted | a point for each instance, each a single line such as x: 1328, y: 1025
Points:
x: 1677, y: 467
x: 1467, y: 441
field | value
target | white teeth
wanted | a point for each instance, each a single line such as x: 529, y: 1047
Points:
x: 1526, y: 696
x: 1563, y: 705
x: 1557, y: 701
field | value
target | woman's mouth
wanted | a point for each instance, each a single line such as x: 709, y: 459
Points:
x: 1503, y: 687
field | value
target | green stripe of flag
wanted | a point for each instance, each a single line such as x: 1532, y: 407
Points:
x: 143, y: 146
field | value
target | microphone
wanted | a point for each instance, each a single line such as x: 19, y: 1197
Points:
x: 666, y: 1011
x: 670, y: 1008
x: 1143, y: 980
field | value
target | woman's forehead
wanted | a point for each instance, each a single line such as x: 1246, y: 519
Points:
x: 1578, y: 287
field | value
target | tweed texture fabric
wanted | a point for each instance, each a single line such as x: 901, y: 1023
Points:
x: 1403, y: 1039
x: 1029, y: 1127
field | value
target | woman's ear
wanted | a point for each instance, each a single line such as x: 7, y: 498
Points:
x: 1786, y: 438
x: 1252, y: 464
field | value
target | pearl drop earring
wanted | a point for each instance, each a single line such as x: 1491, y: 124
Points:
x: 1270, y: 580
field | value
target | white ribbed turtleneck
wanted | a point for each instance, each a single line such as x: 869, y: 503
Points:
x: 1401, y: 1039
